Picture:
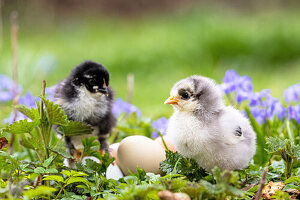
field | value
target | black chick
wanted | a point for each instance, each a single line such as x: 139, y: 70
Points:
x: 86, y: 96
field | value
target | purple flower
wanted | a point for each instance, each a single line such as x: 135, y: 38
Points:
x: 160, y: 125
x: 29, y: 101
x: 7, y: 88
x: 121, y: 106
x: 263, y: 106
x: 275, y: 108
x: 294, y: 112
x: 259, y: 98
x: 50, y: 91
x: 233, y: 82
x: 292, y: 93
x: 259, y: 114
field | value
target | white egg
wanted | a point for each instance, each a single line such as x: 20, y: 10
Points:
x: 114, y: 172
x: 142, y: 152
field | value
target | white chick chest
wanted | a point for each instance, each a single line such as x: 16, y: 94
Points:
x: 188, y: 133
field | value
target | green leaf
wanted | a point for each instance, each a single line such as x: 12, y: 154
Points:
x: 31, y: 113
x: 235, y: 191
x: 13, y: 161
x: 76, y: 180
x: 54, y: 113
x: 39, y: 170
x: 39, y: 192
x: 66, y: 173
x: 51, y: 170
x: 131, y: 180
x: 54, y: 178
x: 293, y: 179
x: 48, y: 161
x: 261, y: 156
x: 73, y: 128
x: 77, y: 174
x: 291, y: 186
x: 19, y: 127
x: 62, y: 153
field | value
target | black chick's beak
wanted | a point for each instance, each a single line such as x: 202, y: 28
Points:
x: 103, y: 91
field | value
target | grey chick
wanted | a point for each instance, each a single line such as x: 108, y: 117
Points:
x: 85, y: 95
x: 204, y: 129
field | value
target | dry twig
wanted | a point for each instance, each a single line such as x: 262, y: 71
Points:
x: 14, y: 44
x: 261, y: 183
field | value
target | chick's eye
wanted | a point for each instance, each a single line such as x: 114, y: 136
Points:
x: 92, y: 81
x: 185, y: 95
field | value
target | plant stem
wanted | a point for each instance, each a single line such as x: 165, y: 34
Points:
x: 14, y: 44
x: 44, y: 130
x: 162, y: 139
x: 175, y: 166
x: 61, y: 189
x: 289, y: 130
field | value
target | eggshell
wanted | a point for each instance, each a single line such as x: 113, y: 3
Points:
x: 113, y: 149
x: 170, y: 146
x: 142, y: 152
x: 114, y: 172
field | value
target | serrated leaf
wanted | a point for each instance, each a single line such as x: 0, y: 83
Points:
x: 32, y: 141
x: 39, y: 170
x: 14, y: 162
x: 51, y: 170
x: 31, y: 113
x: 54, y: 113
x: 19, y: 127
x: 48, y: 161
x: 73, y: 128
x: 64, y: 154
x: 177, y: 164
x: 54, y: 178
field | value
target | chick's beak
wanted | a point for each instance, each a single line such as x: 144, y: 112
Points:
x: 171, y: 100
x: 104, y: 91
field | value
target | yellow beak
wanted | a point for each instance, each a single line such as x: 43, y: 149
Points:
x: 171, y: 100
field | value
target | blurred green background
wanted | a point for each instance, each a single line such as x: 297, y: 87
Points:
x: 160, y: 42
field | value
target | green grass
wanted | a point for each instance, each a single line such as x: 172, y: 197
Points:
x: 159, y: 50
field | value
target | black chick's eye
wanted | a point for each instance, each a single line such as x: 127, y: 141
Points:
x: 92, y: 81
x: 185, y: 96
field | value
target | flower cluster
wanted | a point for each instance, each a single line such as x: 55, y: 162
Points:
x: 159, y: 125
x: 241, y: 85
x: 262, y: 105
x: 292, y: 93
x: 121, y: 106
x: 7, y: 88
x: 294, y: 113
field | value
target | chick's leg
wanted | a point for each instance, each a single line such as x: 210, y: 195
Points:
x: 104, y: 146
